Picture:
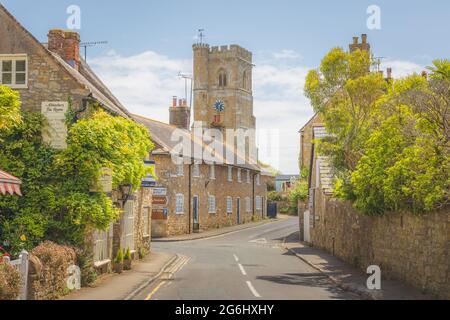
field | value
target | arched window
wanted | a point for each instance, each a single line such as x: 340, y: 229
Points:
x: 223, y: 79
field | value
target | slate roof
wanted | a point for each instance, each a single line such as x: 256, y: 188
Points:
x: 287, y: 177
x: 161, y: 133
x: 98, y: 90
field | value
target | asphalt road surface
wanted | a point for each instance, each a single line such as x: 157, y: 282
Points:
x: 249, y: 264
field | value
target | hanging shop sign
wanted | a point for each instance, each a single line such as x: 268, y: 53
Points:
x: 55, y: 133
x: 149, y: 181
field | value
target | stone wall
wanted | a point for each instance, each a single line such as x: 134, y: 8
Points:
x: 410, y: 248
x: 48, y: 271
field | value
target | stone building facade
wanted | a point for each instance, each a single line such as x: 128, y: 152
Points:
x: 50, y: 78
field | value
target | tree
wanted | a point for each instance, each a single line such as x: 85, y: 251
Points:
x: 389, y: 140
x: 9, y: 109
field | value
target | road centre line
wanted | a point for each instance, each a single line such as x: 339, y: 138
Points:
x: 242, y: 269
x: 236, y: 258
x: 253, y: 290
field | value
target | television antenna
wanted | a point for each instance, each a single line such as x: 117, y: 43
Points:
x: 85, y: 45
x: 187, y: 77
x: 378, y: 61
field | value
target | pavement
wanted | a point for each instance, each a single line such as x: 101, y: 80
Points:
x: 217, y: 232
x: 248, y: 264
x: 347, y: 277
x: 126, y: 285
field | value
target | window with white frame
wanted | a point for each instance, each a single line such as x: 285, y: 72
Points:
x: 196, y: 171
x: 248, y: 205
x: 239, y: 175
x: 179, y: 204
x: 230, y: 174
x: 14, y: 70
x: 212, y: 172
x: 258, y: 179
x: 258, y: 203
x: 180, y: 170
x: 212, y: 204
x: 229, y: 205
x: 248, y: 176
x: 146, y: 217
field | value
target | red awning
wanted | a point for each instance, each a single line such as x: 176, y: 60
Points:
x: 9, y: 184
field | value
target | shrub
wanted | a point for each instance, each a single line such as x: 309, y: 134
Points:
x: 10, y: 281
x: 119, y: 257
x: 127, y: 255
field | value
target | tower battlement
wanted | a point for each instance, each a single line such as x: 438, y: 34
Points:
x: 232, y: 49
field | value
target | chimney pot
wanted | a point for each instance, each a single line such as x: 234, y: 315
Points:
x: 355, y: 40
x: 364, y: 38
x: 389, y: 73
x: 174, y: 101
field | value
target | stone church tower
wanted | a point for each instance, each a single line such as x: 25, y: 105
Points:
x: 223, y: 95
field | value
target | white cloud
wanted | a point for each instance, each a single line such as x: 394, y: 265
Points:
x: 286, y: 54
x: 401, y: 68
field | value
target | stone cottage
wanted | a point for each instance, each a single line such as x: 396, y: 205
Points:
x: 51, y: 77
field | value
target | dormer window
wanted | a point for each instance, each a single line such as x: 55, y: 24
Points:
x: 13, y: 71
x: 223, y: 80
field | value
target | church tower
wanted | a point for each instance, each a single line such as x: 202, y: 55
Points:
x: 223, y: 96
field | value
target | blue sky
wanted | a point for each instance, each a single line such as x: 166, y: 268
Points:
x: 150, y: 41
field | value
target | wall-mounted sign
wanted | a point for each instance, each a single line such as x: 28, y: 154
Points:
x: 160, y: 214
x: 149, y: 181
x: 159, y: 201
x: 105, y: 182
x: 55, y: 133
x: 159, y: 192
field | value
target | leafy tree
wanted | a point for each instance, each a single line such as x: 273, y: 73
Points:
x: 345, y: 93
x: 389, y: 140
x: 9, y: 109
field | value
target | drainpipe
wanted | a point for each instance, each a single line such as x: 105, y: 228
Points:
x: 191, y: 222
x: 254, y: 194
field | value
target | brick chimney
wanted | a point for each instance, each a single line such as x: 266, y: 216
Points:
x: 363, y: 46
x: 67, y: 45
x: 180, y: 114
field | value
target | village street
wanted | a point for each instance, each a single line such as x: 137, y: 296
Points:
x: 244, y: 265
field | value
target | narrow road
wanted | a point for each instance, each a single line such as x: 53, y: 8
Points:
x: 246, y: 265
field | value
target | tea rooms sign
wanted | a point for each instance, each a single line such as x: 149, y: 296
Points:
x: 55, y: 133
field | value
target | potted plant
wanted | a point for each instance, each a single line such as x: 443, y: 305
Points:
x: 118, y: 262
x: 127, y: 260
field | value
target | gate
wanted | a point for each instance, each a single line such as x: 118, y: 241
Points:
x: 272, y: 210
x: 22, y: 265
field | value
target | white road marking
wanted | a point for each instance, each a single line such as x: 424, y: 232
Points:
x: 261, y: 241
x: 253, y: 290
x: 242, y: 269
x: 236, y: 258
